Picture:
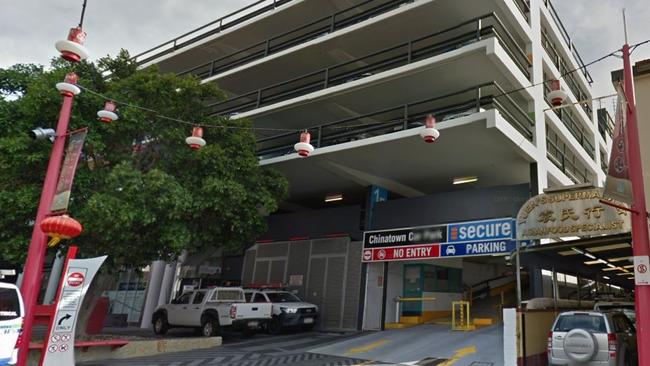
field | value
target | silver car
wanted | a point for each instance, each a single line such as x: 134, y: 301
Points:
x: 592, y: 338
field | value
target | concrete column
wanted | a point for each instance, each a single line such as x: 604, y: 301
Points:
x: 55, y: 275
x: 153, y: 292
x: 167, y: 283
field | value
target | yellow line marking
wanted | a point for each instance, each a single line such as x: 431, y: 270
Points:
x: 367, y: 347
x: 458, y: 354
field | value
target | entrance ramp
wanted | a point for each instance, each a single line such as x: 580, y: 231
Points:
x: 428, y: 344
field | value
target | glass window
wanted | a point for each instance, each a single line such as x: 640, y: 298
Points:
x: 594, y: 323
x: 429, y: 273
x: 547, y: 273
x: 442, y: 276
x: 455, y: 280
x: 198, y: 297
x: 573, y: 280
x: 185, y: 298
x: 282, y: 297
x: 248, y: 296
x: 228, y: 295
x: 9, y: 305
x: 259, y: 297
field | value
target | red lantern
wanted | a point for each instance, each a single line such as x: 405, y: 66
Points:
x: 69, y: 88
x: 196, y: 141
x: 72, y: 49
x: 430, y: 133
x: 557, y: 96
x: 304, y: 148
x: 60, y: 227
x: 107, y: 115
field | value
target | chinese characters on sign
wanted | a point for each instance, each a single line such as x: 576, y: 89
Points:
x: 575, y: 213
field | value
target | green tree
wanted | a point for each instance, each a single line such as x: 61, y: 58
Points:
x: 140, y: 192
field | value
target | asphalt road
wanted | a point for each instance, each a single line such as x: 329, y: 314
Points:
x: 261, y: 350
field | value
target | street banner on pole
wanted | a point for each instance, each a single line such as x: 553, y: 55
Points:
x: 58, y: 348
x: 618, y: 185
x: 64, y: 186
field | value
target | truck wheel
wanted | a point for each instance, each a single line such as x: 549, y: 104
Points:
x: 160, y: 324
x: 210, y: 326
x: 274, y: 326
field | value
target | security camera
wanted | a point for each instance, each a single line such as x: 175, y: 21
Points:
x: 42, y: 134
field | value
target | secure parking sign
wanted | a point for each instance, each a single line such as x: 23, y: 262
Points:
x: 463, y: 239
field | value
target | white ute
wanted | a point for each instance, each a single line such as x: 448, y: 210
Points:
x: 210, y: 311
x: 288, y: 309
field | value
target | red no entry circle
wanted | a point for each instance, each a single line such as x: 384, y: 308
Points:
x: 75, y: 279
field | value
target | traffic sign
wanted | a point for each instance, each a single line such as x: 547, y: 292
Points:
x: 75, y: 279
x: 641, y: 272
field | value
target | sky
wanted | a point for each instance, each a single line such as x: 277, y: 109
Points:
x: 29, y: 28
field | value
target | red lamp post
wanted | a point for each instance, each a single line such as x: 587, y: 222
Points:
x: 640, y: 240
x: 33, y: 271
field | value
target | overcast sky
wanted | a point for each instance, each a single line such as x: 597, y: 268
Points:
x: 29, y: 28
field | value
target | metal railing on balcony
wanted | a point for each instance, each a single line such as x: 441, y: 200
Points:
x: 567, y: 39
x: 568, y: 77
x: 216, y: 26
x: 303, y: 33
x: 399, y: 118
x: 468, y: 32
x: 576, y: 130
x: 558, y: 153
x: 524, y: 8
x: 605, y: 123
x: 604, y: 162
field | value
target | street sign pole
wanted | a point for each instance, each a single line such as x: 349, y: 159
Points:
x: 33, y: 271
x: 640, y: 242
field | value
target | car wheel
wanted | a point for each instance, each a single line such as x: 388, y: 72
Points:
x: 160, y: 324
x: 274, y: 326
x: 210, y: 326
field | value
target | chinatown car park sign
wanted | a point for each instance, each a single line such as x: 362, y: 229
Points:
x: 485, y: 237
x: 570, y: 213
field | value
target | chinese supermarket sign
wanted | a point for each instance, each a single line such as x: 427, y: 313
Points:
x: 571, y: 213
x: 485, y: 237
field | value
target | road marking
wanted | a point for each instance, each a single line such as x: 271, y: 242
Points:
x: 367, y: 347
x: 458, y: 354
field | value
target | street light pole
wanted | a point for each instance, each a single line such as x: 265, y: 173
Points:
x: 640, y: 242
x: 33, y: 271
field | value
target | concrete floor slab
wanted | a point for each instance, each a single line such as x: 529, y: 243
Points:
x: 412, y: 345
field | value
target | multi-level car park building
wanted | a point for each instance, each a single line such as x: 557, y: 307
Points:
x: 361, y: 76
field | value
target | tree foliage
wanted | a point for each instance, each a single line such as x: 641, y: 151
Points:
x: 140, y: 192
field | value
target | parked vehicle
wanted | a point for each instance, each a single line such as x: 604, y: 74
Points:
x: 211, y: 310
x: 12, y: 312
x: 625, y: 307
x: 288, y: 310
x: 592, y: 338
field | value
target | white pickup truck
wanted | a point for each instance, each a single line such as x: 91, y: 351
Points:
x: 210, y: 311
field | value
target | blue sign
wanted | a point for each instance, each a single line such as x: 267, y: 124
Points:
x: 481, y: 231
x: 378, y: 194
x: 478, y: 248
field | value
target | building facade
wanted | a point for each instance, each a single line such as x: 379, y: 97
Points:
x: 362, y: 77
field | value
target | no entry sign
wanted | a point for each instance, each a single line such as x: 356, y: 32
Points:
x: 402, y: 253
x: 75, y: 279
